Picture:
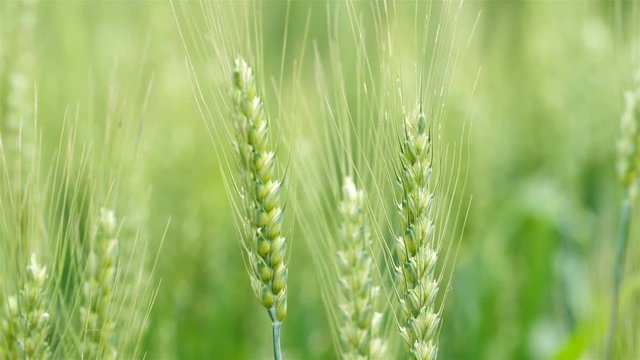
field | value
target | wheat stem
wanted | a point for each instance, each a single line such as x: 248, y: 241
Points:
x: 276, y: 327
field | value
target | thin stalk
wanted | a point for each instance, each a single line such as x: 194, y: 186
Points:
x: 618, y: 271
x: 277, y: 326
x: 277, y: 353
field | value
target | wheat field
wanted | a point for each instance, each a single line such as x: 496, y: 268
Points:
x: 400, y: 179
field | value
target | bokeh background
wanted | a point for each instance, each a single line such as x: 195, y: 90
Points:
x: 541, y: 84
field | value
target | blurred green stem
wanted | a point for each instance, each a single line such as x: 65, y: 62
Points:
x: 618, y: 271
x: 277, y: 326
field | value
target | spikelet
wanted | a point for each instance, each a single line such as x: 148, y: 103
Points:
x: 25, y: 328
x: 416, y: 248
x: 629, y: 142
x: 260, y: 191
x: 96, y: 312
x: 360, y: 323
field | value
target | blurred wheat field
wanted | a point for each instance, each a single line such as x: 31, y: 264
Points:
x: 116, y: 128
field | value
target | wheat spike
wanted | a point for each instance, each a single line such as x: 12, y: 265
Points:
x: 260, y: 191
x: 629, y: 173
x: 360, y: 323
x: 25, y: 328
x: 629, y: 141
x: 96, y: 313
x: 416, y: 248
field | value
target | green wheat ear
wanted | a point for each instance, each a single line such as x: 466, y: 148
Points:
x: 360, y: 322
x: 260, y: 191
x: 96, y: 313
x: 629, y: 174
x: 416, y: 246
x: 25, y: 329
x: 629, y: 142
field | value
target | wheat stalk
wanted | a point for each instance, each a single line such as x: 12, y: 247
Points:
x: 96, y: 312
x: 25, y: 328
x: 260, y: 192
x: 360, y: 323
x: 416, y: 246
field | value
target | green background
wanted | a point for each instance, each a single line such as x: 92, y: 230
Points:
x: 541, y: 84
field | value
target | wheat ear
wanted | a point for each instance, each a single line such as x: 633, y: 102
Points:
x: 360, y: 323
x: 629, y: 173
x: 18, y: 124
x: 96, y: 311
x: 260, y: 192
x: 629, y: 142
x: 26, y: 325
x: 416, y: 247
